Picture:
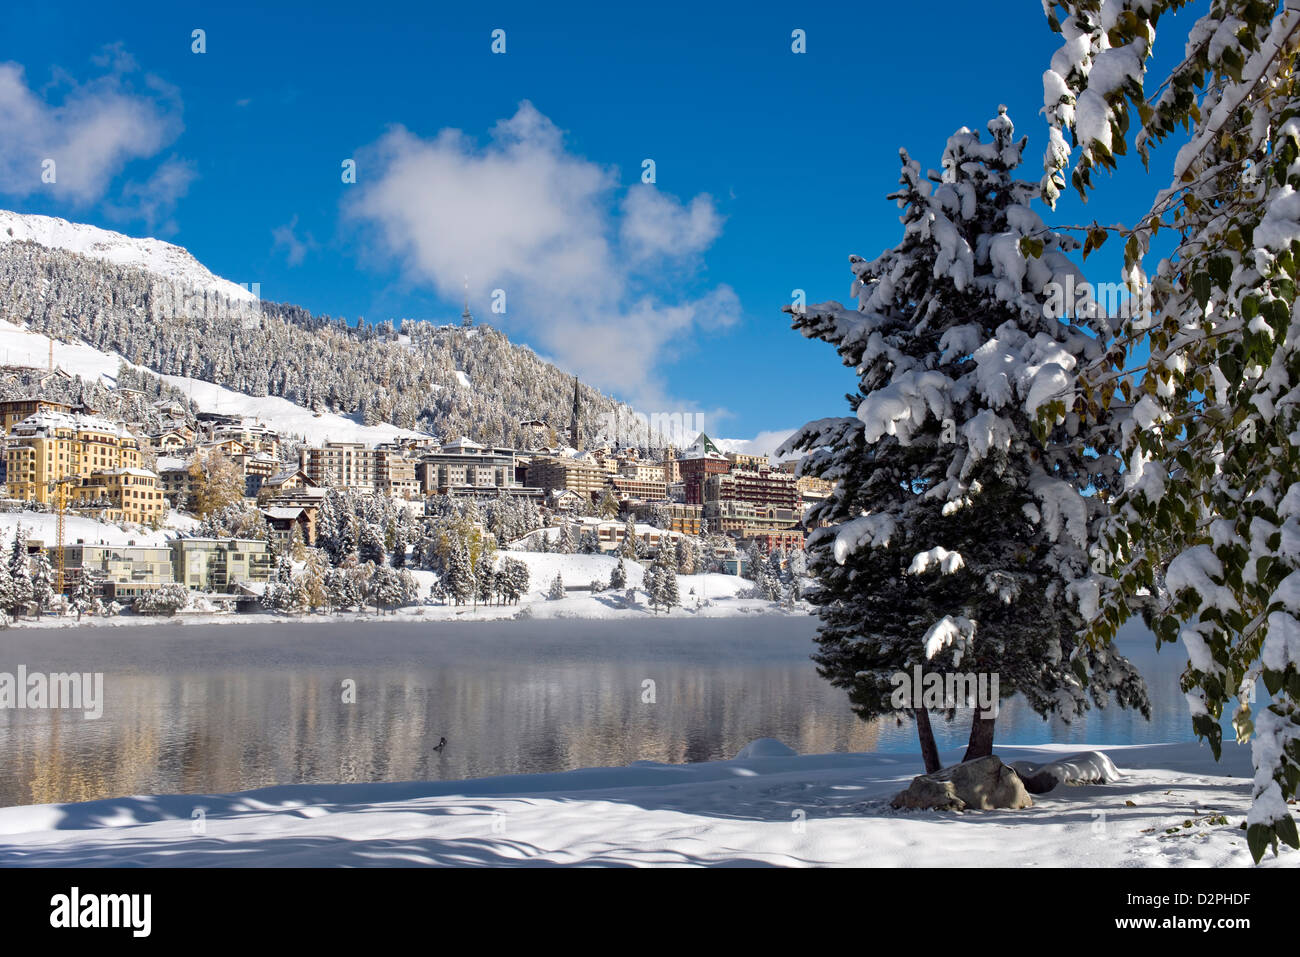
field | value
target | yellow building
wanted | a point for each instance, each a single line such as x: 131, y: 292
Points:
x: 123, y: 495
x: 100, y: 461
x: 13, y: 411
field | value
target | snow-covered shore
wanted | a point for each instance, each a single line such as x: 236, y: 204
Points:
x: 609, y: 607
x: 1174, y: 807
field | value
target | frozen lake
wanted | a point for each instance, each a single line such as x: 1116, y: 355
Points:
x: 217, y: 708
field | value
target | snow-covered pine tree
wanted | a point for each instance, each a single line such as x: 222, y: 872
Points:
x: 370, y: 547
x: 276, y: 595
x: 650, y: 585
x: 769, y: 584
x: 628, y: 547
x: 568, y: 540
x: 556, y: 591
x: 409, y: 587
x: 688, y: 555
x: 438, y: 591
x: 358, y: 581
x: 296, y: 547
x: 519, y: 576
x: 607, y: 508
x: 485, y: 579
x: 20, y: 574
x: 618, y: 577
x: 83, y: 600
x: 956, y: 536
x: 42, y: 582
x: 336, y: 589
x: 313, y: 579
x: 327, y: 526
x: 294, y: 596
x: 798, y: 570
x: 658, y: 516
x: 6, y: 587
x: 507, y: 580
x: 385, y: 589
x: 1205, y: 539
x: 666, y: 579
x: 461, y: 583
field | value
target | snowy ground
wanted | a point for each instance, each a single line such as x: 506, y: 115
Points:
x: 758, y: 810
x: 284, y: 416
x: 78, y: 528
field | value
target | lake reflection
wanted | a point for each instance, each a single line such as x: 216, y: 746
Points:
x: 201, y: 709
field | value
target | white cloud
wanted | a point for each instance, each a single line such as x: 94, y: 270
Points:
x: 91, y: 130
x: 525, y: 215
x: 154, y: 200
x: 655, y: 224
x: 286, y: 237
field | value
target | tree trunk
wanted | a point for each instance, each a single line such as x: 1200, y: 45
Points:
x: 980, y: 744
x: 929, y: 750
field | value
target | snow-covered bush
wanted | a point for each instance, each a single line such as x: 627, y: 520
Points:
x: 164, y: 600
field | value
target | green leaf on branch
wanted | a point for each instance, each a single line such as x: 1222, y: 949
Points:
x: 1221, y: 272
x: 1285, y: 829
x: 1031, y: 248
x: 1260, y: 837
x: 1201, y: 289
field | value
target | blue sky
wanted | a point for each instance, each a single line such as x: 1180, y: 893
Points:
x: 771, y: 167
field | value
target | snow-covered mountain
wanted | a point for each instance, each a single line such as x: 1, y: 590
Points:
x: 152, y: 255
x: 21, y: 347
x: 98, y: 290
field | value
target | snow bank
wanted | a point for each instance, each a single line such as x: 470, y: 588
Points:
x: 1090, y: 767
x: 765, y: 748
x: 44, y: 526
x: 758, y: 809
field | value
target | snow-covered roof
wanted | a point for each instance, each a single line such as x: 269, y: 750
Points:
x: 702, y: 448
x: 284, y: 476
x: 464, y: 442
x: 142, y: 472
x: 282, y: 512
x: 41, y: 423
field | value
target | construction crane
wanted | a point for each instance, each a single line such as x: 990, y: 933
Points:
x: 60, y: 487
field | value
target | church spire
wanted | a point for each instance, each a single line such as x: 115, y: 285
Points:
x: 574, y: 436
